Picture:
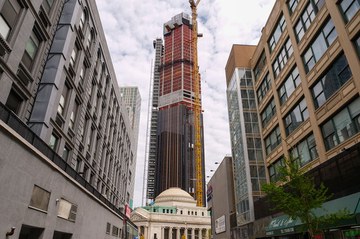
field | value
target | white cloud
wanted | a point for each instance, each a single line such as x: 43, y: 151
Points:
x: 131, y: 27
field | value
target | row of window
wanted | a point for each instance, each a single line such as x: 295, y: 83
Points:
x: 329, y: 83
x: 116, y: 231
x: 348, y: 8
x: 336, y: 130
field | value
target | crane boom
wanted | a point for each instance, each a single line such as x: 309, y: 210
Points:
x: 197, y: 108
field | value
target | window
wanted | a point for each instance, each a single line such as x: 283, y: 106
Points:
x: 289, y: 85
x: 82, y: 21
x: 274, y: 172
x: 14, y: 101
x: 275, y: 36
x: 319, y: 46
x: 305, y: 151
x: 260, y: 65
x: 305, y: 20
x: 115, y: 231
x: 268, y: 113
x: 357, y: 45
x: 272, y: 140
x: 282, y: 57
x: 39, y: 198
x: 31, y: 49
x: 73, y: 115
x: 47, y: 5
x: 338, y: 74
x: 263, y: 88
x: 67, y: 210
x: 349, y: 8
x: 8, y: 17
x: 66, y: 153
x: 90, y: 39
x: 81, y: 76
x: 108, y: 227
x: 296, y: 116
x: 53, y: 141
x: 292, y: 4
x: 63, y: 100
x: 73, y: 56
x: 342, y: 126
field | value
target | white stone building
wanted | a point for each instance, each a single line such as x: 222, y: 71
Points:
x: 174, y: 215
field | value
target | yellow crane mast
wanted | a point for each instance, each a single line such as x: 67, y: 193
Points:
x: 197, y: 108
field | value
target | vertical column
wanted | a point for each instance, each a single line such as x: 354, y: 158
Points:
x: 178, y: 233
x: 146, y: 230
x: 192, y: 233
x: 162, y: 232
x: 170, y: 232
x: 207, y: 234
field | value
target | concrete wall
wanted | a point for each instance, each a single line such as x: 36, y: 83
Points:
x: 22, y: 167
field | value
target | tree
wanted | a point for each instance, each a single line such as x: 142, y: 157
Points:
x: 296, y: 194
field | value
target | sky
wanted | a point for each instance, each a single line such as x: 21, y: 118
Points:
x: 130, y: 27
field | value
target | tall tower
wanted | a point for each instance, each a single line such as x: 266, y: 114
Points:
x: 175, y: 162
x: 150, y: 189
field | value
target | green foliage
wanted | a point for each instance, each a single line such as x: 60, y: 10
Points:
x: 298, y: 197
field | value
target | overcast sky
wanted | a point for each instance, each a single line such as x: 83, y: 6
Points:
x: 131, y: 26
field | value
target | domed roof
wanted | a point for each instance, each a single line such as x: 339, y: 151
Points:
x: 174, y: 194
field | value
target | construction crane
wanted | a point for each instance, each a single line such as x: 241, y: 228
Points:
x: 197, y: 107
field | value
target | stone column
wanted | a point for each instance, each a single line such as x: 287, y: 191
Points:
x: 162, y: 233
x: 146, y: 231
x: 192, y: 233
x: 178, y: 236
x: 170, y: 232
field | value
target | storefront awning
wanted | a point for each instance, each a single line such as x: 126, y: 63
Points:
x: 283, y: 225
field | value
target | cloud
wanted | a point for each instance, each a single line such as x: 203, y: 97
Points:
x: 130, y: 28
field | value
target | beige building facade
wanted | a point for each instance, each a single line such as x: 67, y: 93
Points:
x: 306, y: 78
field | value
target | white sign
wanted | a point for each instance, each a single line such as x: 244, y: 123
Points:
x: 220, y: 224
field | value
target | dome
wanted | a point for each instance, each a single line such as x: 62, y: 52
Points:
x: 174, y: 195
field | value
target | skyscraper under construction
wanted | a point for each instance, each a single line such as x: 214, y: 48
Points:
x: 173, y: 164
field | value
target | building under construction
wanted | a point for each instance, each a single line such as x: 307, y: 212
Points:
x: 173, y: 165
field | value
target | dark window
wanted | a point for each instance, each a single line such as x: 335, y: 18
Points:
x: 268, y: 113
x: 8, y: 17
x: 342, y: 126
x: 260, y: 65
x: 296, y: 116
x: 30, y: 232
x: 108, y: 228
x: 282, y: 57
x: 289, y: 85
x: 54, y: 139
x: 14, y: 102
x: 263, y: 88
x: 305, y: 20
x: 276, y: 34
x: 336, y: 76
x: 319, y: 46
x: 357, y: 45
x: 31, y: 49
x: 272, y: 140
x: 305, y: 151
x: 66, y: 153
x: 274, y: 171
x: 349, y: 8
